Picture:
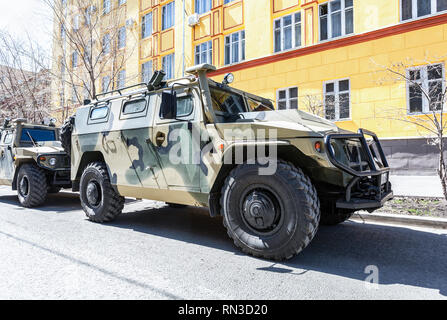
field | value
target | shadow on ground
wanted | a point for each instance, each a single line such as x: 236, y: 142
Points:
x: 402, y: 255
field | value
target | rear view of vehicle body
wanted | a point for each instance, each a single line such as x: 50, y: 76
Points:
x: 190, y: 141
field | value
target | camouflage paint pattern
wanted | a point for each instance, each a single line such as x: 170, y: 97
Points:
x: 137, y: 148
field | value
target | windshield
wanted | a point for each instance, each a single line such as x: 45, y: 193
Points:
x: 38, y: 135
x: 228, y: 104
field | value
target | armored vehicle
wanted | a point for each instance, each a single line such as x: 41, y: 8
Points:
x: 272, y: 174
x: 32, y: 161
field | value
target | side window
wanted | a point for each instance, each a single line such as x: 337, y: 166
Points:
x: 185, y: 106
x: 8, y: 138
x: 99, y: 113
x: 135, y: 106
x: 230, y: 103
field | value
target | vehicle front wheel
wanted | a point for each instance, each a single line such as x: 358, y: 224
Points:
x: 272, y: 216
x: 100, y: 201
x: 31, y: 186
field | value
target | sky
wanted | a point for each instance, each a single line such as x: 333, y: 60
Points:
x: 20, y: 17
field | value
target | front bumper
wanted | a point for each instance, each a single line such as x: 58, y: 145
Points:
x: 368, y: 189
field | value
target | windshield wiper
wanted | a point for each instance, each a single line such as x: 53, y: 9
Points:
x: 32, y: 140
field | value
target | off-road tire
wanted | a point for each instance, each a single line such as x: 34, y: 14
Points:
x: 339, y: 216
x: 54, y: 190
x: 34, y: 192
x: 65, y: 134
x: 300, y: 209
x: 110, y: 203
x: 175, y: 205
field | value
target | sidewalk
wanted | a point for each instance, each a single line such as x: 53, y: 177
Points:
x: 417, y: 186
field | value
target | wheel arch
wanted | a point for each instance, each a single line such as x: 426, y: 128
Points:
x: 285, y: 151
x: 87, y: 158
x: 18, y: 163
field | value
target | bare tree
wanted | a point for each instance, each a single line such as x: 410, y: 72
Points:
x: 91, y: 51
x: 24, y: 81
x: 314, y: 105
x: 427, y: 94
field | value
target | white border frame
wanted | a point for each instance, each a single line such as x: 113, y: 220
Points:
x: 337, y: 102
x: 293, y: 31
x: 288, y: 97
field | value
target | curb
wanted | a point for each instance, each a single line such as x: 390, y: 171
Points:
x: 438, y: 223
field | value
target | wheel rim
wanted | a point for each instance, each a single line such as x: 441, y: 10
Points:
x: 261, y: 211
x: 24, y: 186
x: 94, y: 193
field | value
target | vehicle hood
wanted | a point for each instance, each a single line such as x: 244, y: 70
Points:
x: 52, y: 147
x: 287, y: 123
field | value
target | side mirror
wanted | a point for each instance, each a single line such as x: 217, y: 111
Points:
x: 168, y: 109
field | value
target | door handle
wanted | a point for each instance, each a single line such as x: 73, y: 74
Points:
x: 160, y: 138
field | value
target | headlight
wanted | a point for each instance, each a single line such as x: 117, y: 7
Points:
x: 52, y: 162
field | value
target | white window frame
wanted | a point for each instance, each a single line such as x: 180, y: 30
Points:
x: 172, y: 66
x: 414, y: 6
x: 329, y: 21
x: 106, y: 8
x: 122, y: 37
x: 150, y: 62
x: 202, y: 2
x: 293, y: 25
x: 164, y: 9
x: 337, y: 93
x: 103, y: 87
x: 121, y: 79
x: 288, y: 99
x: 425, y: 87
x: 151, y: 25
x: 241, y: 48
x: 209, y: 53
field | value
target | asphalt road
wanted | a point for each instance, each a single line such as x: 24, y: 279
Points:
x: 153, y: 252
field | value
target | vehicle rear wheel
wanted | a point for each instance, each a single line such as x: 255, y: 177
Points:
x: 31, y: 186
x: 273, y: 217
x: 337, y: 217
x: 100, y: 201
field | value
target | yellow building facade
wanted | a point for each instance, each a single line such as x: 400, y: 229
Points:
x: 328, y: 57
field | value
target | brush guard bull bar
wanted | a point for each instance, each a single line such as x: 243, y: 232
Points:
x: 378, y: 188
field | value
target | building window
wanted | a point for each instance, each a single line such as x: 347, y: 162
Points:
x: 203, y: 6
x: 336, y: 19
x: 288, y: 32
x: 74, y: 59
x: 121, y: 81
x: 146, y: 25
x: 74, y: 95
x: 227, y: 1
x: 168, y: 16
x: 337, y: 100
x: 121, y: 37
x: 168, y: 66
x: 121, y: 2
x: 106, y: 6
x: 235, y: 47
x: 204, y: 53
x: 287, y: 98
x: 413, y: 9
x: 105, y: 83
x: 106, y: 44
x: 76, y: 23
x: 146, y: 71
x: 425, y: 81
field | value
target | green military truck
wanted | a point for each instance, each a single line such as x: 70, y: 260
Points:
x: 272, y: 175
x: 32, y: 161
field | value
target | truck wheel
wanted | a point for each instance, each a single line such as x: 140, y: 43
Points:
x: 273, y: 217
x: 100, y: 201
x: 339, y: 216
x: 65, y: 135
x: 31, y: 186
